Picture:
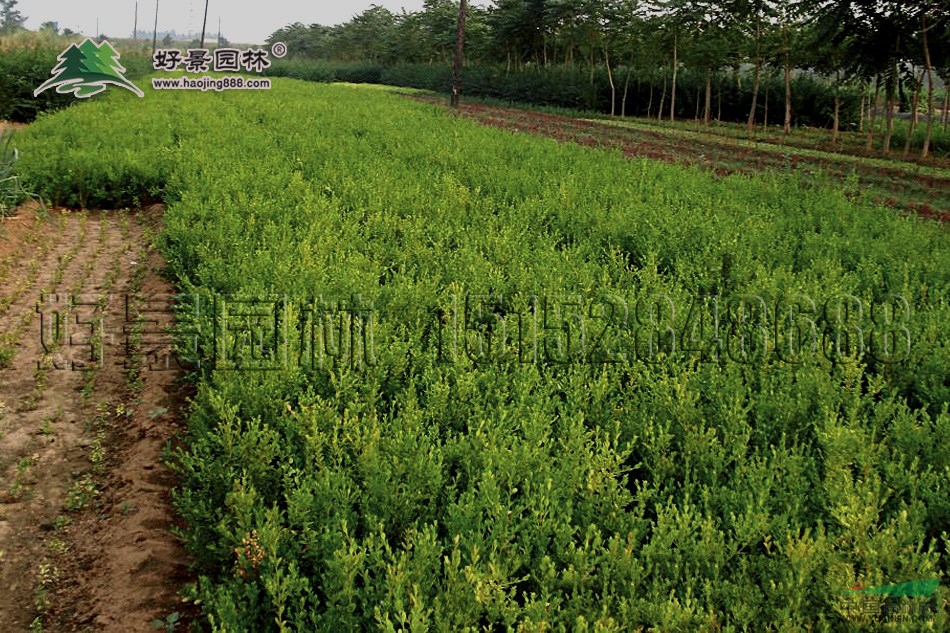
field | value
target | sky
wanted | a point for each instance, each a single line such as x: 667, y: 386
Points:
x: 242, y: 21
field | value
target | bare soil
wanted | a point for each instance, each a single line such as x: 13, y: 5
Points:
x: 10, y: 124
x: 85, y: 518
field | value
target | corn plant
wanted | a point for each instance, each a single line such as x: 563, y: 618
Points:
x: 11, y: 188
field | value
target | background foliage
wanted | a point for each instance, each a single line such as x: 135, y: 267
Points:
x: 26, y: 60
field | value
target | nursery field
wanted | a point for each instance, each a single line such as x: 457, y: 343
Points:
x: 904, y: 183
x: 453, y: 378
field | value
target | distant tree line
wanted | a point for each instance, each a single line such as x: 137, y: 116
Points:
x: 893, y: 53
x: 10, y: 17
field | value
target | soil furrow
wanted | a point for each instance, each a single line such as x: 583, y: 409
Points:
x: 84, y: 508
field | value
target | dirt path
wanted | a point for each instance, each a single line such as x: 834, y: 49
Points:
x: 84, y: 512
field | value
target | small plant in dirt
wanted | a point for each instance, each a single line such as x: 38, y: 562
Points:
x: 31, y: 401
x: 80, y: 494
x: 169, y: 623
x: 6, y: 354
x: 157, y: 413
x: 25, y: 463
x: 97, y: 453
x: 85, y: 393
x: 48, y: 422
x: 47, y: 578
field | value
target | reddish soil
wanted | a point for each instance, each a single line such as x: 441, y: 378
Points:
x: 922, y: 193
x: 84, y: 510
x: 10, y: 124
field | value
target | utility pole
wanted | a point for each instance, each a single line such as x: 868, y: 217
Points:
x: 219, y: 33
x: 459, y: 55
x: 135, y: 29
x: 155, y: 30
x: 204, y: 23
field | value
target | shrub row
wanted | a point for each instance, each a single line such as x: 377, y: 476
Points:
x: 411, y: 494
x: 578, y: 88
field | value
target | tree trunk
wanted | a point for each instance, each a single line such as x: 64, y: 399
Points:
x: 946, y: 106
x: 592, y: 64
x: 459, y: 55
x: 659, y: 112
x: 889, y: 107
x: 864, y: 90
x: 626, y: 88
x: 836, y: 134
x: 696, y: 112
x: 613, y: 87
x: 930, y: 87
x: 708, y: 113
x: 650, y: 101
x: 872, y: 106
x: 755, y: 83
x: 914, y: 119
x: 673, y: 86
x: 719, y: 100
x: 788, y: 91
x: 765, y: 115
x: 915, y: 101
x: 902, y: 104
x: 636, y: 106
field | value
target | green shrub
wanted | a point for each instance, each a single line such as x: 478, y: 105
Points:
x: 22, y: 70
x: 577, y: 88
x: 674, y: 492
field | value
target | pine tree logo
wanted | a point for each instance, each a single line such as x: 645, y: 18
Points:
x: 87, y: 69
